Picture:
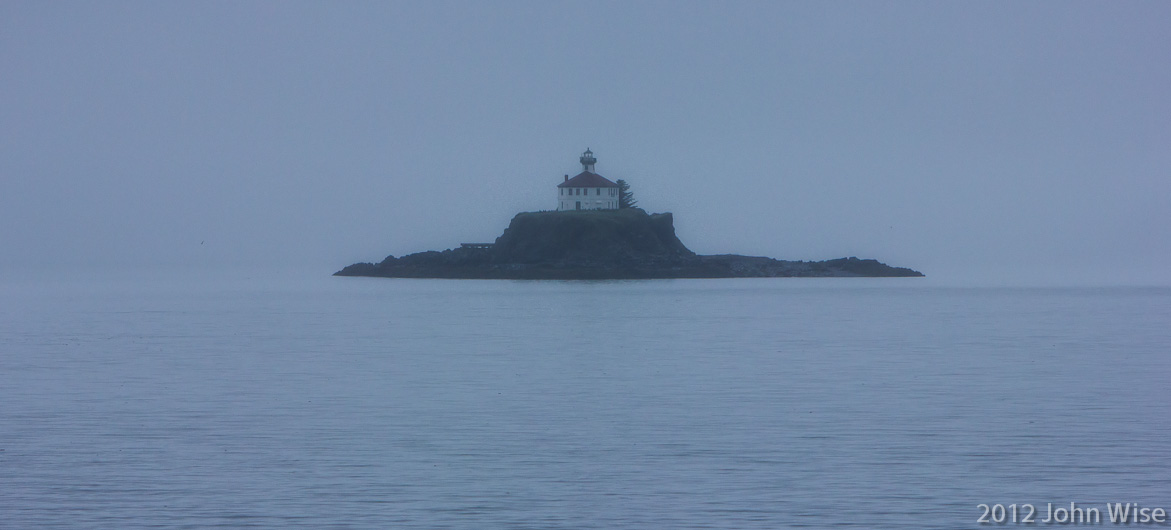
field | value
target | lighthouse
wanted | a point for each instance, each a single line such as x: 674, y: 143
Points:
x: 587, y: 190
x: 587, y: 160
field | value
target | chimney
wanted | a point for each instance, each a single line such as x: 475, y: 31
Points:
x: 566, y: 178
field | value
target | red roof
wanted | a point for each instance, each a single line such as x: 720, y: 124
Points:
x: 585, y: 179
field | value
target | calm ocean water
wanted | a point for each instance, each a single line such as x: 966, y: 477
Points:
x: 760, y: 404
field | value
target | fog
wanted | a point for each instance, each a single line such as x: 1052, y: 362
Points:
x: 994, y: 142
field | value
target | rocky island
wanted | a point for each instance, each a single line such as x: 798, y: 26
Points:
x: 597, y: 233
x: 602, y: 244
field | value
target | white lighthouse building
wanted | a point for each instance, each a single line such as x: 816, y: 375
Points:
x: 587, y: 190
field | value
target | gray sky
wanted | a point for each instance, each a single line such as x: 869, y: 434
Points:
x: 991, y: 140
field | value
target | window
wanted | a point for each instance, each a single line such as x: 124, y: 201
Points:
x: 598, y: 190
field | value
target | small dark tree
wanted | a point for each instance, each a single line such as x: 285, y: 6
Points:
x: 625, y: 197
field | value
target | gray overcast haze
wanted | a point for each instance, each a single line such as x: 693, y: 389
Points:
x: 997, y: 141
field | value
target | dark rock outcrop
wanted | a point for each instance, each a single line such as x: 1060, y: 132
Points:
x: 599, y: 237
x: 601, y: 244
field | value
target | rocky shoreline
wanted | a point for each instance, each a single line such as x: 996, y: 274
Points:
x: 602, y: 245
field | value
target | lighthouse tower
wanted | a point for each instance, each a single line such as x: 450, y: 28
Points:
x: 587, y: 160
x: 587, y: 190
